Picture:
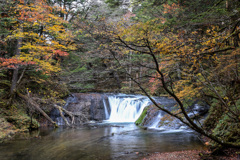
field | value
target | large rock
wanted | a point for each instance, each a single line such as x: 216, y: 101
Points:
x: 91, y: 105
x: 197, y: 112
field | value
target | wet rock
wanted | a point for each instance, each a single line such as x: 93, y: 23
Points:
x: 152, y: 112
x: 91, y: 105
x: 197, y: 111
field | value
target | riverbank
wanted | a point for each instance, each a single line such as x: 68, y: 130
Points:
x: 15, y: 121
x: 6, y: 130
x: 231, y: 154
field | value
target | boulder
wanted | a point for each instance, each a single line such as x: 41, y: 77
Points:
x: 91, y: 105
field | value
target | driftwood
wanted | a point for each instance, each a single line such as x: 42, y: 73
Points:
x: 70, y: 114
x: 61, y: 113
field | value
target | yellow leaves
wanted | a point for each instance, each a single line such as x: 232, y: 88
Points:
x: 186, y: 90
x: 55, y: 28
x: 44, y: 37
x: 19, y: 35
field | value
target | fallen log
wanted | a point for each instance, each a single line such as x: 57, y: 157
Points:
x: 37, y: 107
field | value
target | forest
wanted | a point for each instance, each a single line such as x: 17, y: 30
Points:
x: 186, y: 50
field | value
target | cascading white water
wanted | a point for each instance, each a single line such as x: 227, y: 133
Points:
x: 126, y: 108
x: 156, y: 121
x: 105, y: 109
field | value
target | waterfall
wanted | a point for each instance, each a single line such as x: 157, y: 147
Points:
x: 122, y: 108
x: 156, y: 120
x: 126, y: 108
x: 105, y: 109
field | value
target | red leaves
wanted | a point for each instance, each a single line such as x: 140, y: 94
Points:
x: 32, y: 21
x: 172, y: 8
x: 60, y: 53
x: 13, y: 63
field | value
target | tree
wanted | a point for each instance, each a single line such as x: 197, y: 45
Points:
x: 41, y: 41
x: 90, y: 69
x: 187, y: 63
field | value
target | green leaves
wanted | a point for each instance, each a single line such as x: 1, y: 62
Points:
x: 113, y: 3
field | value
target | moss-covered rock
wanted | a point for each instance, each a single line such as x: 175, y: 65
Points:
x: 22, y: 121
x: 14, y: 121
x: 7, y: 130
x: 142, y: 116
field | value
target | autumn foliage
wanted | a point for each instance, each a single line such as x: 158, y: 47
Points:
x: 43, y: 37
x: 198, y: 62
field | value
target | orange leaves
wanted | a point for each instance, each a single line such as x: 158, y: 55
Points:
x: 33, y: 12
x: 43, y: 37
x: 21, y: 1
x: 60, y: 53
x: 13, y: 63
x: 170, y: 8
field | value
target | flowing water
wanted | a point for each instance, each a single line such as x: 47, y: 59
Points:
x: 116, y: 138
x: 126, y: 108
x: 106, y: 141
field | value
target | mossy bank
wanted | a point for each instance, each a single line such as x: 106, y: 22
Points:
x: 15, y: 121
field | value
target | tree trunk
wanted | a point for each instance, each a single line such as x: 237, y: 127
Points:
x: 15, y: 71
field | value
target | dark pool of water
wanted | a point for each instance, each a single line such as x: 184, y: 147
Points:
x: 119, y: 141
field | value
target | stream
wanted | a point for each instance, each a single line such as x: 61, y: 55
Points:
x: 117, y: 137
x: 99, y: 141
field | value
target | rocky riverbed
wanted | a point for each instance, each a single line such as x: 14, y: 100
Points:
x: 230, y: 154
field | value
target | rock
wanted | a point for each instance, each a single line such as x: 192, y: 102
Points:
x: 6, y: 130
x: 197, y: 110
x: 89, y: 104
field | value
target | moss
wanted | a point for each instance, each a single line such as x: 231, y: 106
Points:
x: 222, y: 123
x: 215, y: 113
x: 7, y: 130
x: 22, y: 121
x: 227, y: 129
x: 142, y: 116
x: 15, y: 120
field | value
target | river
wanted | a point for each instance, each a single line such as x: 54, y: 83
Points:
x: 116, y: 138
x: 99, y: 141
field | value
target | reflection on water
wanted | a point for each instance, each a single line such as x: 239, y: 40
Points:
x: 120, y: 141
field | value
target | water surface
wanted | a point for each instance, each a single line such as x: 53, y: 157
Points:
x: 106, y: 141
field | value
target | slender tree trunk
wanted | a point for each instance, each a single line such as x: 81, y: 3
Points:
x: 15, y: 71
